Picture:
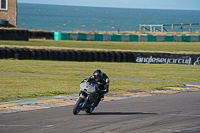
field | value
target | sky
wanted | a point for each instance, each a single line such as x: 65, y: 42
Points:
x: 144, y: 4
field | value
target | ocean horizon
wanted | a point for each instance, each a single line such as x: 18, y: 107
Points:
x: 82, y: 18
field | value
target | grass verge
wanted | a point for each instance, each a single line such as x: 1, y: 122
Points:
x: 113, y: 69
x: 170, y: 47
x: 18, y: 87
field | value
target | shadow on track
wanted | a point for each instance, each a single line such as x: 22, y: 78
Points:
x: 122, y: 113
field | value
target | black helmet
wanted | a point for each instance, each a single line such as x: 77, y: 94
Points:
x: 98, y: 75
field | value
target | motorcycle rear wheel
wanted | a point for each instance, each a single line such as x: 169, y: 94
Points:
x: 77, y: 106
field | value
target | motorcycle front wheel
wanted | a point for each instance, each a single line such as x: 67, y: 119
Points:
x: 77, y: 106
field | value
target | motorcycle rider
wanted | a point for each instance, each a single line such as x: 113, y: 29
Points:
x: 103, y: 83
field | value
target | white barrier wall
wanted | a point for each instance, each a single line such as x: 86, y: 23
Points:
x: 160, y: 38
x: 90, y: 37
x: 177, y: 38
x: 125, y: 38
x: 143, y: 38
x: 194, y: 38
x: 73, y: 36
x: 106, y: 37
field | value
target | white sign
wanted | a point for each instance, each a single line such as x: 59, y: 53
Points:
x: 151, y: 59
x: 197, y: 62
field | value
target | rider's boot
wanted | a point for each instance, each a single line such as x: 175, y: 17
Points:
x: 102, y: 98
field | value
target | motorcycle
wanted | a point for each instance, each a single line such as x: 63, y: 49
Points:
x: 88, y: 97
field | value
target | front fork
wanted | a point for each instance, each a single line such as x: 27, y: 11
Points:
x: 82, y: 96
x: 85, y: 105
x: 85, y: 100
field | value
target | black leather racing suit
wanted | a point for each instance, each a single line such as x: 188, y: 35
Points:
x: 103, y: 84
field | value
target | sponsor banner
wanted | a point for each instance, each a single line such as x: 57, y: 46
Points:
x: 197, y: 62
x: 172, y: 59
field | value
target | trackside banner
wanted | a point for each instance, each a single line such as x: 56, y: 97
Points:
x: 101, y: 56
x: 187, y: 60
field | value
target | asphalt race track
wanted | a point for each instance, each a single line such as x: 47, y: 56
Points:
x: 159, y: 113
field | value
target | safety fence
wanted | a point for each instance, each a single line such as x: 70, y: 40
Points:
x: 125, y: 37
x: 166, y: 27
x: 99, y: 56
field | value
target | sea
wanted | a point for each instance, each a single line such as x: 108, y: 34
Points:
x: 80, y: 18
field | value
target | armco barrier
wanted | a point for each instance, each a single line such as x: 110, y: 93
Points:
x: 73, y: 36
x: 177, y: 38
x: 61, y: 36
x: 160, y: 38
x: 110, y: 56
x: 106, y: 37
x: 152, y: 38
x: 98, y: 37
x: 134, y: 38
x: 90, y: 37
x: 143, y: 38
x: 186, y: 38
x: 82, y: 36
x: 169, y: 38
x: 126, y: 37
x: 194, y: 38
x: 116, y: 37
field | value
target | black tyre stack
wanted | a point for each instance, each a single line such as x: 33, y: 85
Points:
x: 66, y: 55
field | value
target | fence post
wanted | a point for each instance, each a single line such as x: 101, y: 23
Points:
x: 181, y: 27
x: 151, y: 28
x: 199, y: 26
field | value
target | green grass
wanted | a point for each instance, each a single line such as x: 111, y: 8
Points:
x: 172, y: 47
x: 127, y: 70
x: 16, y: 87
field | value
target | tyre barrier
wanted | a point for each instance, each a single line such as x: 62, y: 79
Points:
x: 40, y: 35
x: 14, y: 35
x: 99, y: 56
x: 24, y: 35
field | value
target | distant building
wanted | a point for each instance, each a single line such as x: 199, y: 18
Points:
x: 8, y: 12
